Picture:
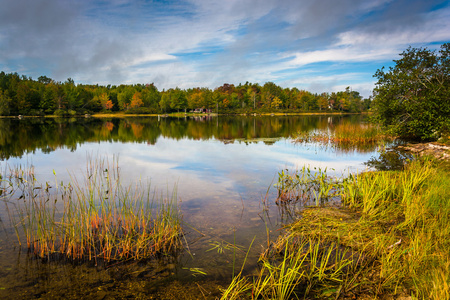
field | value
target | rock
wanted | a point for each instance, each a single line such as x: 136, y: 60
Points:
x: 438, y: 151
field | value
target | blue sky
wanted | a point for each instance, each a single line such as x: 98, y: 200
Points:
x: 317, y: 45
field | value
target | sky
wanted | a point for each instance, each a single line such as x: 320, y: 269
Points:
x: 315, y: 45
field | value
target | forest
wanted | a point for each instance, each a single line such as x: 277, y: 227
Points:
x: 22, y: 95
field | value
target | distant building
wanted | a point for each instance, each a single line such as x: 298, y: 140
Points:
x: 202, y: 111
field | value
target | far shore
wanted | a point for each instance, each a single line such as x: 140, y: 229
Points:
x: 182, y: 114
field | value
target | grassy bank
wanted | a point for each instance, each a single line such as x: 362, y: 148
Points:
x: 182, y: 114
x: 389, y: 239
x: 91, y: 218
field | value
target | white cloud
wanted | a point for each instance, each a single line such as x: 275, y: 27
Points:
x: 347, y: 54
x: 368, y: 44
x: 435, y: 28
x: 128, y: 42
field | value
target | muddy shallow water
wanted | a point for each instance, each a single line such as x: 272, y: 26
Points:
x: 222, y: 169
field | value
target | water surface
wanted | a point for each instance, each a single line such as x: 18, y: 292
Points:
x: 222, y: 169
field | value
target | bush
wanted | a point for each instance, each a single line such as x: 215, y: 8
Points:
x: 412, y: 99
x: 60, y: 112
x: 140, y: 110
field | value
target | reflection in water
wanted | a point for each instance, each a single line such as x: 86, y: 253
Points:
x: 18, y: 137
x: 222, y: 168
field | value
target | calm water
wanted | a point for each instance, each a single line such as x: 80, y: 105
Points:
x: 221, y: 168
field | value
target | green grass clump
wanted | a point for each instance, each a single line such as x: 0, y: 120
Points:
x: 96, y: 218
x: 307, y: 186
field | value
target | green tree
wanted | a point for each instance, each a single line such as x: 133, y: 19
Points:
x: 124, y: 96
x: 269, y: 91
x: 177, y: 99
x: 164, y: 103
x: 44, y: 79
x: 4, y: 103
x: 48, y: 102
x: 322, y: 102
x: 412, y: 99
x: 151, y: 96
x: 71, y: 94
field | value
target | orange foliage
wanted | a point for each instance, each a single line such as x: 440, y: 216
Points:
x: 136, y: 101
x: 137, y: 130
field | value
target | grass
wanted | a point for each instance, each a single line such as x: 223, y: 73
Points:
x: 390, y: 237
x: 347, y: 136
x: 308, y: 186
x: 93, y: 218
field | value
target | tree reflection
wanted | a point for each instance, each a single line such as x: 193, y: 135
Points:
x: 18, y: 137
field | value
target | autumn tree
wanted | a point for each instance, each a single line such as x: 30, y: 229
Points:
x: 194, y: 98
x: 136, y: 100
x: 276, y: 102
x: 105, y: 101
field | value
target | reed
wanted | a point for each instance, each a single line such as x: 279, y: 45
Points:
x: 94, y: 218
x: 347, y: 137
x: 307, y: 186
x: 291, y: 268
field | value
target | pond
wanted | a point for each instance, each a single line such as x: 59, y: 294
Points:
x: 221, y: 169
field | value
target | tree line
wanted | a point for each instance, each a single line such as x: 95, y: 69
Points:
x: 22, y: 95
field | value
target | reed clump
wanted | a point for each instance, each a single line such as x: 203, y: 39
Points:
x: 389, y: 237
x: 347, y: 137
x: 306, y: 186
x: 93, y: 218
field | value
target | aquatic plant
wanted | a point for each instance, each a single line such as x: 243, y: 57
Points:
x: 307, y: 186
x: 93, y: 218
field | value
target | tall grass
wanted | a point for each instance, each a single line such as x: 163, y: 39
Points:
x: 307, y: 186
x: 347, y: 137
x: 92, y: 218
x: 291, y: 268
x: 391, y: 237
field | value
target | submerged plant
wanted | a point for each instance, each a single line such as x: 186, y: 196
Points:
x: 222, y: 246
x: 196, y: 271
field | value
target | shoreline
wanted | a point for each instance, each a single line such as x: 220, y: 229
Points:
x: 124, y: 115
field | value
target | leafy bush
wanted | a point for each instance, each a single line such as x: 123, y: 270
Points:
x: 60, y: 112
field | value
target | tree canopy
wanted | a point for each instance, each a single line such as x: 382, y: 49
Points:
x: 412, y: 99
